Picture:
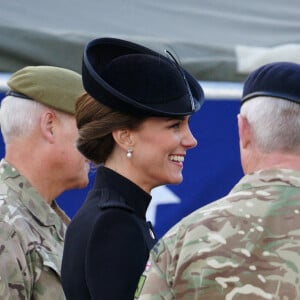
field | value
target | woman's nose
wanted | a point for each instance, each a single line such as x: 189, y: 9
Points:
x: 189, y: 140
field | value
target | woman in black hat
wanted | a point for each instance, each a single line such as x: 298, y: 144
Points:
x: 133, y: 123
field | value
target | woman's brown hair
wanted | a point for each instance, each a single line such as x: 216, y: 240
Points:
x: 95, y: 123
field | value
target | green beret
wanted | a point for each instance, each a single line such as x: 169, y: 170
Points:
x: 55, y: 87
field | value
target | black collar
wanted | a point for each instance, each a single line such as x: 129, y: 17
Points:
x: 131, y: 194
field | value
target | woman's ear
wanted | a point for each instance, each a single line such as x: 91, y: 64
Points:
x: 47, y: 124
x: 123, y: 138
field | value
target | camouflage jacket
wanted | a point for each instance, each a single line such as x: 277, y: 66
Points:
x: 243, y: 246
x: 31, y: 241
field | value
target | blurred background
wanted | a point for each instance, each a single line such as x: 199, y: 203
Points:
x: 218, y: 41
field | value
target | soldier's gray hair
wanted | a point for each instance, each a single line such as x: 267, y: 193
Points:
x: 275, y: 123
x: 18, y: 117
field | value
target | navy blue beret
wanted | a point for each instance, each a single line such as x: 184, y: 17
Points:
x: 134, y: 79
x: 278, y: 79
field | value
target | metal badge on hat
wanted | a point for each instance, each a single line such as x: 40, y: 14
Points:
x: 183, y: 76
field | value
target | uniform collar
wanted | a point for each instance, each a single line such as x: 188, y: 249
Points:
x: 271, y: 177
x: 31, y: 199
x: 133, y: 195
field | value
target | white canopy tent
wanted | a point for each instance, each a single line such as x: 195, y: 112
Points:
x: 216, y: 40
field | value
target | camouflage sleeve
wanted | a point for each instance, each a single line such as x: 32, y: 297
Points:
x: 155, y: 284
x: 15, y: 282
x: 26, y: 271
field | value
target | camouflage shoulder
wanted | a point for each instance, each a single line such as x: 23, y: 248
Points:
x: 170, y: 240
x: 7, y: 231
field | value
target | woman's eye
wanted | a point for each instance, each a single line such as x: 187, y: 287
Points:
x: 175, y: 125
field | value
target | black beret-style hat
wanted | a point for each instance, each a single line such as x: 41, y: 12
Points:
x: 278, y: 79
x: 134, y: 79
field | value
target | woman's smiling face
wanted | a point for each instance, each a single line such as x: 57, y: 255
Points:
x: 160, y: 146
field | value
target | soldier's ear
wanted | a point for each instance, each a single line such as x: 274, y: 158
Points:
x: 47, y: 123
x: 244, y: 131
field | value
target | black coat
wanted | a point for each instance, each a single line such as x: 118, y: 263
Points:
x: 108, y: 241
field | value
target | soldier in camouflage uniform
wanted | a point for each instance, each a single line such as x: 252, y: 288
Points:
x: 41, y: 161
x: 247, y: 244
